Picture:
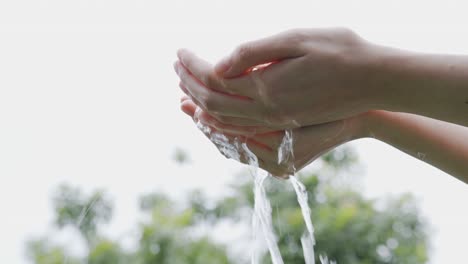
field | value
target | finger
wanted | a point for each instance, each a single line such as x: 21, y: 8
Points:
x: 263, y: 151
x: 228, y: 120
x: 244, y: 156
x: 184, y: 98
x: 242, y: 85
x: 194, y: 102
x: 266, y: 158
x: 272, y: 139
x: 232, y: 151
x: 266, y: 50
x: 200, y: 68
x: 225, y: 128
x: 184, y: 89
x: 269, y: 160
x: 215, y: 102
x: 239, y: 121
x: 192, y: 98
x: 203, y: 71
x: 188, y: 107
x: 235, y: 125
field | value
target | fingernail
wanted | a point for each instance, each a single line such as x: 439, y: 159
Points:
x: 186, y: 110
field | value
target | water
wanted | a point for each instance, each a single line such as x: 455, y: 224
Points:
x: 262, y: 211
x: 262, y: 225
x: 286, y: 157
x: 324, y: 260
x: 261, y: 219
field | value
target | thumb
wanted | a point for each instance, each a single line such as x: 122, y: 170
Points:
x: 248, y: 55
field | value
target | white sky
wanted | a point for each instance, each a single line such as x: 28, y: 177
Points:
x: 88, y: 96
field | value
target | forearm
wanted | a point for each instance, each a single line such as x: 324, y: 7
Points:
x: 435, y: 86
x: 441, y: 144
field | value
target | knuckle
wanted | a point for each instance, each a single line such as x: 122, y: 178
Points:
x: 243, y: 51
x: 347, y: 34
x: 297, y: 36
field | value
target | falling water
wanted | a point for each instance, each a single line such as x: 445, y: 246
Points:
x: 286, y: 158
x: 262, y: 219
x: 262, y: 210
x: 307, y: 239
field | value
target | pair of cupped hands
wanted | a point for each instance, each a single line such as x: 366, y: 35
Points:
x: 316, y: 82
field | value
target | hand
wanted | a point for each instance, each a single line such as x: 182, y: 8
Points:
x: 308, y: 142
x: 293, y: 79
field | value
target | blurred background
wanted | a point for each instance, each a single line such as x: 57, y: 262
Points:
x: 99, y: 165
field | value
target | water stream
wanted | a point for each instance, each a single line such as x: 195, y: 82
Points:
x: 262, y: 225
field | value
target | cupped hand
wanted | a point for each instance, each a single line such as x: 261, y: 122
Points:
x: 293, y: 79
x: 309, y: 142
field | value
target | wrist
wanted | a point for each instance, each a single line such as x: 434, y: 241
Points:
x: 358, y: 126
x: 388, y: 84
x: 366, y: 125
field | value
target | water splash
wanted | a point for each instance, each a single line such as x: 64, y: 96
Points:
x: 307, y: 239
x: 262, y: 209
x: 262, y: 217
x: 324, y: 260
x: 286, y: 157
x: 286, y: 152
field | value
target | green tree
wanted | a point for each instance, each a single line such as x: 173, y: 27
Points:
x: 84, y: 213
x: 348, y: 227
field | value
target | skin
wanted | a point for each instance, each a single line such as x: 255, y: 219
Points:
x: 439, y: 143
x: 309, y: 142
x: 436, y: 142
x: 307, y: 80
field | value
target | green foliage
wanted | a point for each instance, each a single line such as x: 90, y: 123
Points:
x: 41, y: 251
x: 83, y: 213
x: 181, y: 156
x: 165, y: 238
x: 348, y: 227
x: 106, y: 252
